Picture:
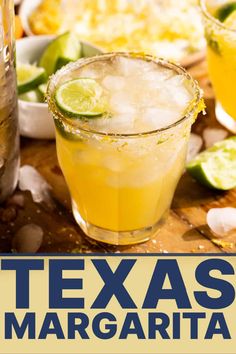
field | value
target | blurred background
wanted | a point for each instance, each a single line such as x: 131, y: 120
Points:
x: 166, y: 28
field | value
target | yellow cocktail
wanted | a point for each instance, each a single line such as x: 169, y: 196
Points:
x: 220, y: 32
x: 122, y: 167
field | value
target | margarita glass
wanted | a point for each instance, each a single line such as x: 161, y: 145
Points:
x: 121, y: 172
x: 221, y: 58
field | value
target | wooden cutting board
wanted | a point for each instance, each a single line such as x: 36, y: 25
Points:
x: 184, y: 231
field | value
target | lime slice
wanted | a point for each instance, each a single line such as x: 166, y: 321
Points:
x: 81, y: 97
x: 224, y: 11
x: 32, y: 96
x: 60, y: 51
x: 216, y: 167
x: 29, y: 77
x: 230, y: 22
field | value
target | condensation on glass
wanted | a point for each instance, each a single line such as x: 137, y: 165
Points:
x: 9, y: 136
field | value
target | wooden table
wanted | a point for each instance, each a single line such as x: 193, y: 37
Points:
x: 184, y: 231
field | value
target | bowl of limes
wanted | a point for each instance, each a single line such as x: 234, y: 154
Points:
x: 38, y: 58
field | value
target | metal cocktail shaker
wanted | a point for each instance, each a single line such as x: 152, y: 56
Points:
x: 9, y: 135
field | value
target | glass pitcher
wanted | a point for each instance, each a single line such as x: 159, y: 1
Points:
x: 9, y: 135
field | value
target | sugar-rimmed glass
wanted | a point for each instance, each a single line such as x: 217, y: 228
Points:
x: 221, y: 58
x: 121, y: 185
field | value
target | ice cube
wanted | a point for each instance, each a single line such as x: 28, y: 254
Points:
x: 99, y: 124
x: 143, y: 96
x: 159, y: 117
x: 89, y: 73
x: 121, y: 102
x: 178, y: 93
x: 194, y: 146
x: 118, y: 123
x: 222, y: 220
x: 165, y: 94
x: 131, y: 67
x: 113, y: 163
x: 151, y: 83
x: 113, y: 83
x: 31, y: 180
x: 155, y: 78
x: 213, y: 135
x: 96, y: 70
x: 28, y: 239
x: 122, y: 123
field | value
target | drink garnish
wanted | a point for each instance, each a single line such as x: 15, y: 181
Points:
x: 216, y: 166
x: 81, y: 97
x: 29, y: 77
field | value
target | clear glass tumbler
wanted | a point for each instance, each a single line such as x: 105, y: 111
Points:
x: 9, y: 136
x: 122, y: 185
x: 221, y: 58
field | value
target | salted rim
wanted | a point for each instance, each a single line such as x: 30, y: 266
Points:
x: 207, y: 14
x: 191, y: 108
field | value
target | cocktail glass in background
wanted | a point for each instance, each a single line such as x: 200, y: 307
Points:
x: 122, y: 167
x: 221, y: 58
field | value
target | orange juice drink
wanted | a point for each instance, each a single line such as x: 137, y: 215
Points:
x: 220, y: 32
x: 123, y: 152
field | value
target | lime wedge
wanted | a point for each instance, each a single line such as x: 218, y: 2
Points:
x: 230, y: 22
x: 29, y: 77
x: 224, y: 11
x: 81, y: 97
x: 32, y: 96
x: 216, y: 167
x: 60, y: 51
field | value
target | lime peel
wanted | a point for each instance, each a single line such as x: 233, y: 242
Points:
x: 225, y: 11
x: 216, y: 167
x: 29, y: 77
x: 62, y: 50
x: 230, y: 22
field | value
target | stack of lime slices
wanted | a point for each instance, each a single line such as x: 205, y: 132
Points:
x: 216, y: 167
x: 32, y: 78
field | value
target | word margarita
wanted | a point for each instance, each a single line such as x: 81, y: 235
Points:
x: 106, y: 326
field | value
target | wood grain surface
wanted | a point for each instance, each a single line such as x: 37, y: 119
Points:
x: 184, y: 231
